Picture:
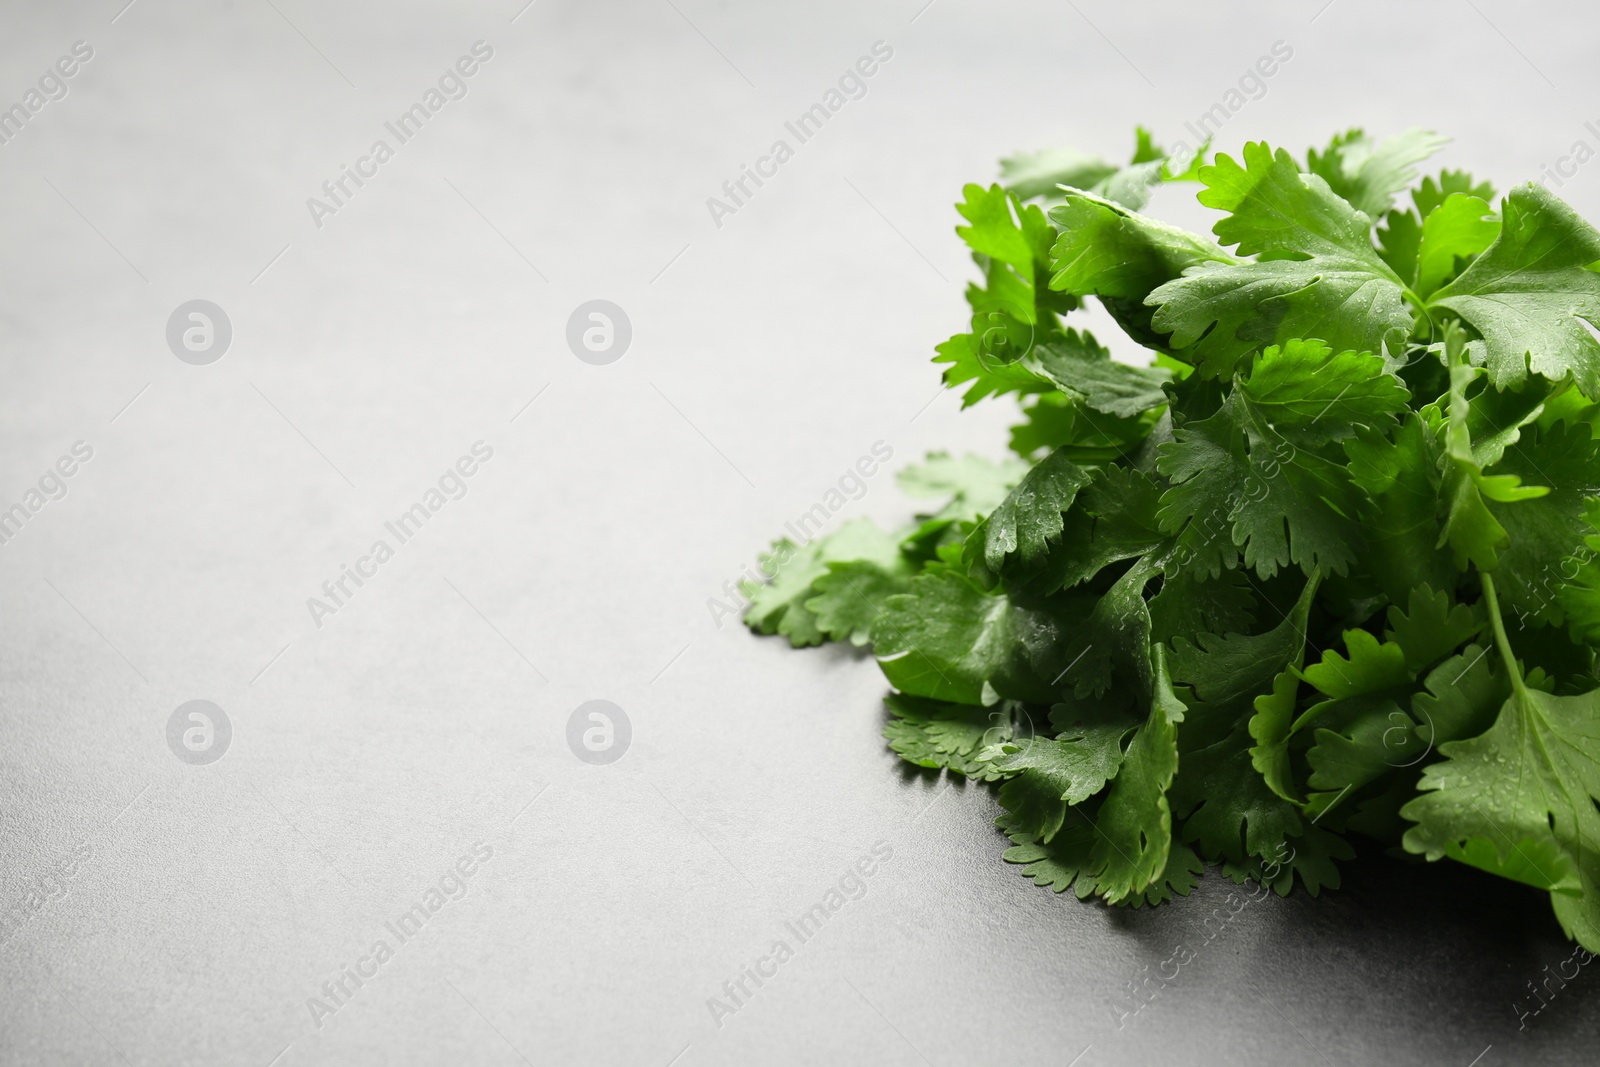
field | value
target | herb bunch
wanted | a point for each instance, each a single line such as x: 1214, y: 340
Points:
x: 1324, y: 571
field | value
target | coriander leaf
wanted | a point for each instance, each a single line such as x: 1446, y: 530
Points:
x: 939, y: 735
x: 1470, y: 528
x: 1400, y: 477
x: 1579, y: 593
x: 1368, y: 667
x: 1229, y: 675
x: 1399, y: 242
x: 1431, y: 191
x: 1226, y: 805
x: 1004, y: 230
x: 779, y: 605
x: 1062, y: 862
x: 1430, y: 627
x: 1531, y: 295
x: 1113, y: 643
x: 1369, y: 174
x: 1400, y: 236
x: 1227, y: 809
x: 1010, y: 242
x: 1149, y: 167
x: 947, y: 639
x: 1336, y: 287
x: 1056, y: 420
x: 1114, y: 519
x: 1547, y: 529
x: 1178, y: 878
x: 1534, y: 776
x: 1079, y: 366
x: 1538, y: 862
x: 1496, y: 418
x: 1307, y: 392
x: 1460, y: 228
x: 1378, y: 739
x: 1188, y: 606
x: 1109, y: 251
x: 1135, y: 820
x: 1028, y: 175
x: 1275, y: 207
x: 1460, y: 697
x: 1250, y: 476
x: 1044, y: 776
x: 851, y: 595
x: 1030, y: 518
x: 991, y: 374
x: 973, y: 485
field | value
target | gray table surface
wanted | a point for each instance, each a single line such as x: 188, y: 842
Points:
x: 158, y: 912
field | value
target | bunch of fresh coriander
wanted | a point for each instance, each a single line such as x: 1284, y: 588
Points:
x: 1323, y: 570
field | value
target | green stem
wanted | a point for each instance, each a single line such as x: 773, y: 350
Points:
x: 1502, y: 642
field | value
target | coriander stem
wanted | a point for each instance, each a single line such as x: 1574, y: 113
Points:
x: 1502, y: 643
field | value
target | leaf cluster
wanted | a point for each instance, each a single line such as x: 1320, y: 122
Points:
x: 1322, y: 571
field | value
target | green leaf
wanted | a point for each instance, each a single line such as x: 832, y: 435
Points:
x: 939, y: 735
x: 1460, y: 228
x: 1470, y: 528
x: 1080, y: 367
x: 1028, y: 175
x: 1399, y: 241
x: 1226, y: 804
x: 1114, y: 519
x: 779, y: 605
x: 1252, y: 476
x: 1056, y: 420
x: 1377, y: 740
x: 1430, y: 627
x: 993, y: 367
x: 1189, y: 605
x: 1400, y: 236
x: 1135, y: 821
x: 1231, y: 675
x: 1399, y: 475
x: 1310, y: 395
x: 972, y: 485
x: 1547, y: 529
x: 1061, y: 863
x: 1107, y: 250
x: 1526, y: 788
x: 1003, y: 229
x: 950, y: 640
x: 1368, y: 174
x: 1029, y: 519
x: 1531, y: 295
x: 1044, y: 776
x: 1320, y: 275
x: 1579, y: 591
x: 1460, y: 698
x: 851, y: 596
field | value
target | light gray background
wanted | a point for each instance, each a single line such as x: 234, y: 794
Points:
x: 768, y: 354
